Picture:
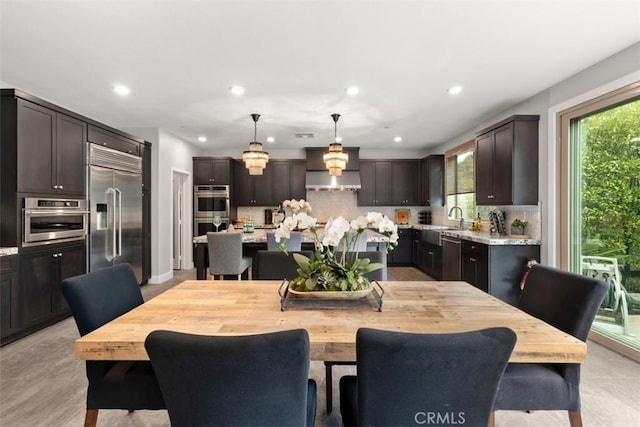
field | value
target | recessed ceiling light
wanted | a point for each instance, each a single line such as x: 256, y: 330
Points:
x: 352, y: 90
x: 397, y: 139
x: 121, y: 90
x: 454, y: 90
x: 270, y: 139
x: 202, y: 139
x: 236, y: 90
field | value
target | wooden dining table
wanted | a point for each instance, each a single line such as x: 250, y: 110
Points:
x: 253, y: 307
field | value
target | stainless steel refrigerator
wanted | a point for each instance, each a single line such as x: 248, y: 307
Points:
x: 115, y: 197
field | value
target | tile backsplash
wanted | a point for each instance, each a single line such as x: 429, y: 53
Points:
x: 327, y: 204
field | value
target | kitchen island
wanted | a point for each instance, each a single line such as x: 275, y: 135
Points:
x: 253, y: 242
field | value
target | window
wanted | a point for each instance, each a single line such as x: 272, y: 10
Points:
x: 460, y: 181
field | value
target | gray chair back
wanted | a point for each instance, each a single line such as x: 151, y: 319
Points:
x: 276, y: 265
x: 374, y: 256
x: 225, y: 253
x: 293, y: 244
x: 406, y: 378
x: 246, y: 380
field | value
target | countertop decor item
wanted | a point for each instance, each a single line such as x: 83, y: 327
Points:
x: 325, y: 272
x: 296, y: 206
x: 518, y: 227
x: 497, y: 221
x: 403, y: 216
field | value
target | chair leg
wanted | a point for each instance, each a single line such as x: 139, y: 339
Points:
x: 575, y: 419
x: 492, y: 419
x: 91, y: 418
x: 250, y: 272
x: 329, y: 385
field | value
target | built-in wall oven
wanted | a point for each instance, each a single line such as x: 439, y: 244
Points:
x: 210, y: 201
x: 48, y: 220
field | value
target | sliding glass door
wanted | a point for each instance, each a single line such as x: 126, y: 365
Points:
x: 602, y: 211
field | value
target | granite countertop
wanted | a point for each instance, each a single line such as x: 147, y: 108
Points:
x: 479, y: 237
x: 8, y: 251
x: 260, y: 236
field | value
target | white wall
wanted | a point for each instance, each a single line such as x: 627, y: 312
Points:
x: 168, y: 153
x: 603, y: 77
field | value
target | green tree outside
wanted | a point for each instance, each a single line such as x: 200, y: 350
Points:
x: 611, y: 188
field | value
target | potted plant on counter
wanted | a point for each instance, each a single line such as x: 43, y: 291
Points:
x: 518, y: 227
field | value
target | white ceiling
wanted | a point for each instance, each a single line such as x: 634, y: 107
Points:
x: 295, y: 59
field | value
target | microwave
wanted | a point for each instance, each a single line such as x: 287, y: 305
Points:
x: 210, y: 201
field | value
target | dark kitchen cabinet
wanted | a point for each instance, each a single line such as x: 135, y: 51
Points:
x: 496, y: 269
x: 50, y: 151
x: 281, y: 180
x: 109, y: 139
x: 39, y: 295
x: 474, y: 263
x: 213, y: 170
x: 431, y: 257
x: 416, y: 242
x: 402, y: 254
x: 288, y: 180
x: 507, y: 162
x: 376, y: 189
x: 253, y: 190
x: 432, y: 181
x: 297, y: 179
x: 405, y: 175
x: 8, y: 296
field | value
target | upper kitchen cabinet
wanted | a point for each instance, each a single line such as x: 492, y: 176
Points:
x: 507, y: 162
x: 106, y: 138
x: 432, y: 181
x: 212, y: 170
x: 405, y: 175
x: 43, y: 150
x: 253, y: 190
x: 376, y: 183
x: 288, y: 180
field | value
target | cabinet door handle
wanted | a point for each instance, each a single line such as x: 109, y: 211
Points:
x: 472, y: 259
x: 211, y: 179
x: 60, y: 187
x: 55, y: 255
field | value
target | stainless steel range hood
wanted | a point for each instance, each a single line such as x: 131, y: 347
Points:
x: 322, y: 181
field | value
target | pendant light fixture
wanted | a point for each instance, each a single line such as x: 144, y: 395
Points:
x: 335, y: 159
x: 254, y: 158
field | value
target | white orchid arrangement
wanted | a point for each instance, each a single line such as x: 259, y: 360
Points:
x: 297, y: 205
x: 324, y: 272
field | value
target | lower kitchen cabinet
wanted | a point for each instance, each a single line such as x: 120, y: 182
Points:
x: 8, y: 299
x: 402, y: 254
x: 432, y: 260
x: 496, y: 269
x: 38, y: 298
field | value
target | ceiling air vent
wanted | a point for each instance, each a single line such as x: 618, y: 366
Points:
x: 304, y: 135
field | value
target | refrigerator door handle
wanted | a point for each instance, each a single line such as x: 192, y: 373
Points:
x: 110, y: 249
x: 119, y: 202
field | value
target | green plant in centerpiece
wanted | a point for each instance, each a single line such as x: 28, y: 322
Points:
x: 325, y: 272
x: 518, y: 226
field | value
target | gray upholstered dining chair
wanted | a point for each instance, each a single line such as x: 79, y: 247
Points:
x: 95, y: 299
x: 276, y: 265
x: 294, y: 243
x: 225, y: 255
x: 250, y: 380
x: 408, y: 379
x: 569, y: 302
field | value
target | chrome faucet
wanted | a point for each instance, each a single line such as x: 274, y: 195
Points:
x: 461, y: 226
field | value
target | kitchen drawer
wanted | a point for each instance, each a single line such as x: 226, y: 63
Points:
x: 8, y: 264
x: 112, y: 140
x: 476, y: 248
